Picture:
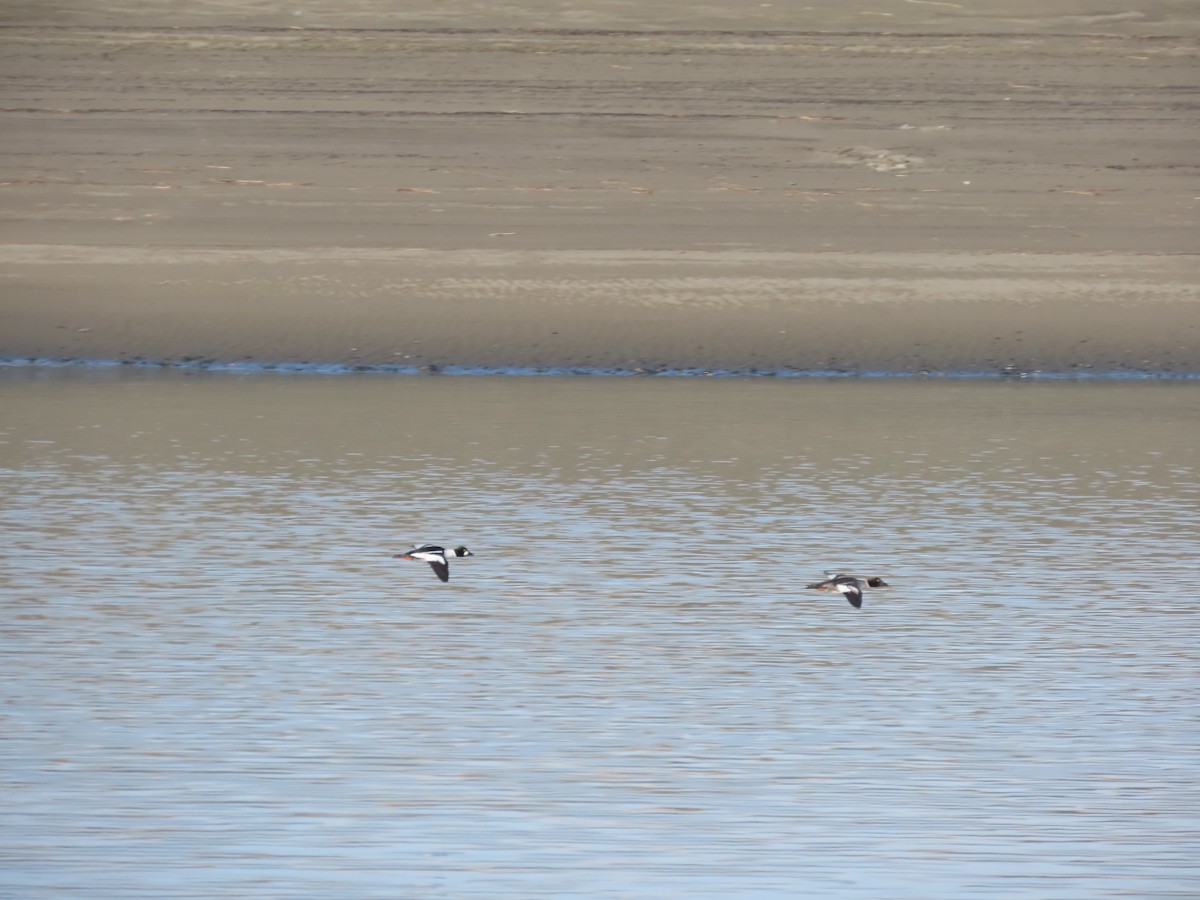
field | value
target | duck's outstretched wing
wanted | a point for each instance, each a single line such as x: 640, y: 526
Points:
x: 853, y: 593
x: 440, y: 569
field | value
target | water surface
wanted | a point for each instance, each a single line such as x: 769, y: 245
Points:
x: 219, y: 682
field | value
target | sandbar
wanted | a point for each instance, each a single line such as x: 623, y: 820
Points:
x: 892, y: 187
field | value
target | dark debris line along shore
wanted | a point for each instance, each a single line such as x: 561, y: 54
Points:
x: 263, y: 367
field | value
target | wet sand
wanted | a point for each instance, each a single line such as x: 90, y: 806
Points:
x: 864, y: 187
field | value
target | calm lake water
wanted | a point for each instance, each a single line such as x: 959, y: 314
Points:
x: 217, y: 681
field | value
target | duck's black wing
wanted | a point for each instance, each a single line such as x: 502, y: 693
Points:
x: 440, y: 569
x: 851, y: 588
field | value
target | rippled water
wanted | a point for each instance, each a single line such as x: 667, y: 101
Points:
x: 218, y: 682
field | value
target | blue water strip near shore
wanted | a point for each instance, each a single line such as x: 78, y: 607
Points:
x: 255, y: 367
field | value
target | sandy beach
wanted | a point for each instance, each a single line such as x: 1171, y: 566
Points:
x: 890, y: 186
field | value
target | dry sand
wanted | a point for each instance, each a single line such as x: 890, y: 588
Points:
x: 898, y: 185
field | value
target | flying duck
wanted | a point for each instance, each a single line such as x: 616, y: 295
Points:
x: 437, y: 557
x: 849, y: 586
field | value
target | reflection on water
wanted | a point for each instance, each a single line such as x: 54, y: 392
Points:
x: 219, y: 682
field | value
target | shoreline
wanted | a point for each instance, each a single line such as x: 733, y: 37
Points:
x: 417, y: 310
